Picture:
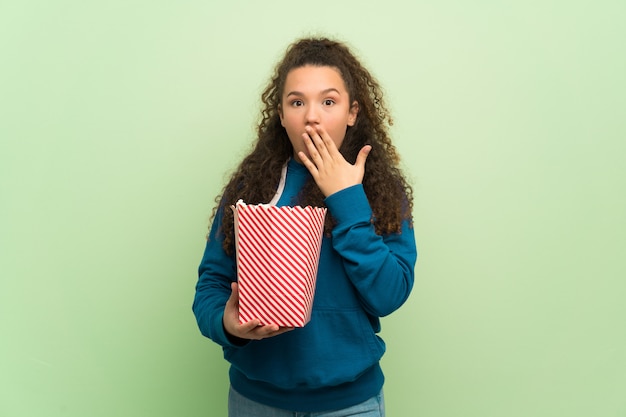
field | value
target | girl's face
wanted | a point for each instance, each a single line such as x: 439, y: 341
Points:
x: 316, y: 96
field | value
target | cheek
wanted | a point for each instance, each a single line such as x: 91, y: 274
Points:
x: 338, y: 134
x: 289, y: 121
x: 294, y: 130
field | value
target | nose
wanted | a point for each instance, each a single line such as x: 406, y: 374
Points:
x: 312, y: 115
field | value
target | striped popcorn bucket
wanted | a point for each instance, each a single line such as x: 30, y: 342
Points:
x: 278, y: 251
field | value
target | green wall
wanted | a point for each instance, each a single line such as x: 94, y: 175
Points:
x: 119, y: 120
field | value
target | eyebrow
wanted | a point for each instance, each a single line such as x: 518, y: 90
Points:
x: 323, y: 92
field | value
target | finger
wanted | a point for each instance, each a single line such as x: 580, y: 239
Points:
x: 304, y: 158
x: 329, y: 143
x: 281, y: 331
x: 270, y: 330
x: 267, y: 330
x: 249, y: 326
x: 309, y: 164
x: 322, y: 141
x: 318, y: 142
x: 285, y: 329
x: 262, y: 331
x: 310, y: 146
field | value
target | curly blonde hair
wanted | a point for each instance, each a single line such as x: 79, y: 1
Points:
x: 256, y: 178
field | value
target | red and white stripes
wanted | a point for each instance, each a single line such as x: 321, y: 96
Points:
x: 277, y: 258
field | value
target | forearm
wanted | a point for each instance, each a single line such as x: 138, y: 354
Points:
x: 215, y: 274
x: 381, y: 268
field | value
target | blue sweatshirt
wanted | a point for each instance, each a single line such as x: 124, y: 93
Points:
x: 333, y: 361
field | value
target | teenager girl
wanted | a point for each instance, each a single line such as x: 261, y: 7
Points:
x: 323, y: 137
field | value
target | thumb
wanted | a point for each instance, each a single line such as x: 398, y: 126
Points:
x: 234, y: 295
x: 362, y: 156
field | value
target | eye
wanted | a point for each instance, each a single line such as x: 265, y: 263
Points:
x: 297, y: 103
x: 329, y: 102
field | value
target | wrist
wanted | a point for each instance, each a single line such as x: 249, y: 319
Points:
x: 235, y: 340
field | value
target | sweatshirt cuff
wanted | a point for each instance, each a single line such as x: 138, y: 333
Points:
x: 349, y: 205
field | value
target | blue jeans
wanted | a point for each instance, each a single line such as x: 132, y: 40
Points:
x: 240, y: 406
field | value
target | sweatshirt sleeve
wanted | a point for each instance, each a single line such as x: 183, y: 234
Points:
x: 380, y: 267
x: 216, y: 272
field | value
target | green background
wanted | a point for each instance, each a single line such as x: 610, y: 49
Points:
x: 119, y: 120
